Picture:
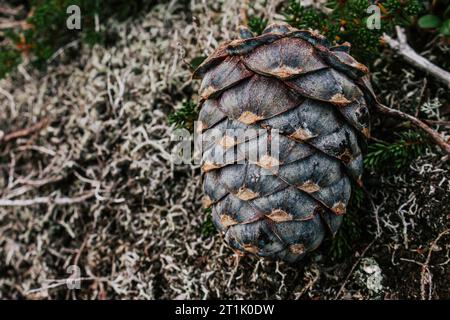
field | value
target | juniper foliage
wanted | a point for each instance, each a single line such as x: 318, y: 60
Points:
x: 257, y: 24
x: 347, y: 21
x: 185, y: 117
x: 396, y: 155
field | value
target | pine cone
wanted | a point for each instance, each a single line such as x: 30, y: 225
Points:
x: 316, y: 96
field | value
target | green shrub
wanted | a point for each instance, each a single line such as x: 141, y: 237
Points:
x: 9, y: 59
x: 347, y: 21
x: 47, y: 30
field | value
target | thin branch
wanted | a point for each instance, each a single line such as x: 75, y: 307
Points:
x: 26, y: 131
x: 5, y: 24
x: 10, y: 11
x: 28, y: 185
x: 272, y: 8
x: 437, y: 138
x: 438, y: 122
x: 400, y: 45
x: 419, y: 103
x: 62, y: 49
x: 55, y: 283
x: 12, y: 104
x: 46, y: 200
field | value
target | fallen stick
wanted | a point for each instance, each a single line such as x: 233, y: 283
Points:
x: 426, y: 268
x: 435, y: 136
x: 401, y: 46
x: 26, y: 131
x: 437, y: 122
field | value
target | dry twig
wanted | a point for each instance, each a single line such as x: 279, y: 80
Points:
x: 400, y: 45
x: 437, y: 138
x: 26, y: 131
x: 46, y: 200
x: 437, y: 122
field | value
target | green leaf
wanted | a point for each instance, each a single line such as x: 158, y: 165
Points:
x: 447, y: 11
x: 445, y: 28
x: 429, y: 21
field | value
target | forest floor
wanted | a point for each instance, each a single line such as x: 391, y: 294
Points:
x: 93, y: 183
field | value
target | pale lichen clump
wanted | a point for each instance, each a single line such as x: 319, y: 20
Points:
x: 369, y: 276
